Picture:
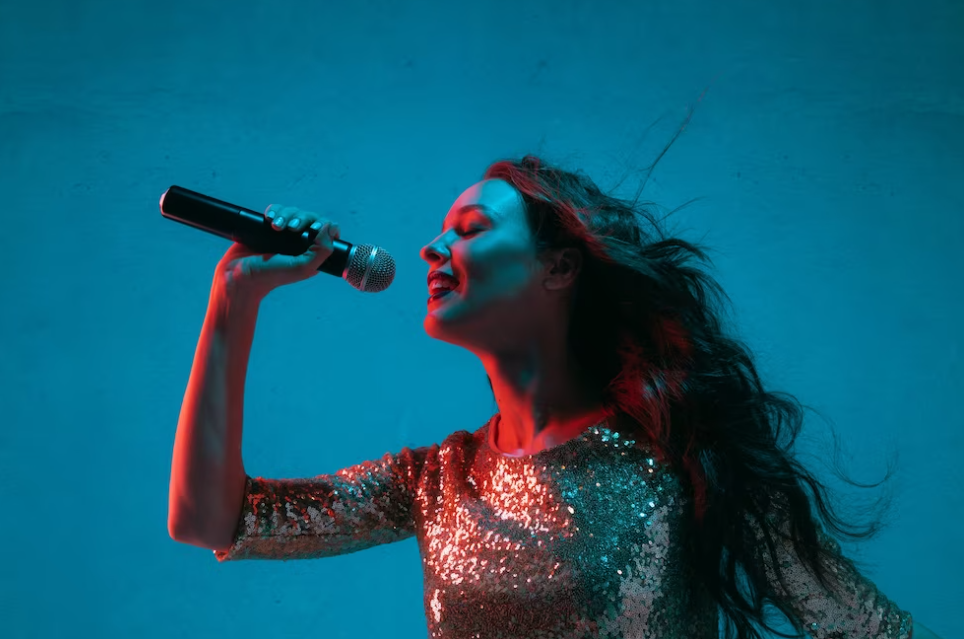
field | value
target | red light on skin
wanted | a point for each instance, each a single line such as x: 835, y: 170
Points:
x: 437, y: 297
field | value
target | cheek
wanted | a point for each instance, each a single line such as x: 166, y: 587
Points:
x: 497, y: 274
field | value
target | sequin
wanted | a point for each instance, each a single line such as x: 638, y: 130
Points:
x: 585, y: 539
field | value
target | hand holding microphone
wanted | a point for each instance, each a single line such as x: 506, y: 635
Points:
x: 269, y: 271
x: 283, y: 246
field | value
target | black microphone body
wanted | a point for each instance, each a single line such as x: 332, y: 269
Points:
x: 367, y: 268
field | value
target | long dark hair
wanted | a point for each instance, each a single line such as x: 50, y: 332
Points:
x: 647, y: 324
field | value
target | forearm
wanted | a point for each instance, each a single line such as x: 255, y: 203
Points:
x: 207, y: 471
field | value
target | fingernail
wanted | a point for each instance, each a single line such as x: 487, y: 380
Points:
x: 294, y: 222
x: 279, y: 221
x: 331, y: 232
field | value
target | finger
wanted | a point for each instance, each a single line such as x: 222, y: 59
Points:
x: 334, y: 231
x: 282, y: 217
x: 321, y: 248
x: 300, y: 220
x: 322, y: 238
x: 314, y: 229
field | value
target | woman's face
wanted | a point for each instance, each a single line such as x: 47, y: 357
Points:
x: 499, y: 297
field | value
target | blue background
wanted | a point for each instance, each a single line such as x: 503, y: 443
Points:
x: 827, y: 151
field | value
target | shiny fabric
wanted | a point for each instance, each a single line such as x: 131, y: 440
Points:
x: 585, y: 539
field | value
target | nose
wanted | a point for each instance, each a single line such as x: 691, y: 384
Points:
x: 434, y: 252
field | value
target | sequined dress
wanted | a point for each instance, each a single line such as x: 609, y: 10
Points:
x: 584, y: 539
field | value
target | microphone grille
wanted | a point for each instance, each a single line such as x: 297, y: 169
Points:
x: 370, y: 269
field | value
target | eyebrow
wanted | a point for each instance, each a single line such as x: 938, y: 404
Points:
x: 469, y: 208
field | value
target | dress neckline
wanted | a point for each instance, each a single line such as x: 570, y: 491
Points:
x: 520, y: 454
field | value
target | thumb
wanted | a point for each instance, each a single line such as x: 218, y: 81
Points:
x: 322, y: 247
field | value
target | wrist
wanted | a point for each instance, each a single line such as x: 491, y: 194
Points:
x: 233, y: 297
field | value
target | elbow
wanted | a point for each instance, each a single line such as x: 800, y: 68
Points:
x: 201, y: 540
x: 209, y: 522
x: 185, y: 532
x: 180, y: 532
x: 179, y: 523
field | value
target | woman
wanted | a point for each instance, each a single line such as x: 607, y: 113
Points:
x: 635, y: 467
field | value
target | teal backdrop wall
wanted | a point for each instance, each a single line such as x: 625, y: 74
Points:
x: 827, y: 151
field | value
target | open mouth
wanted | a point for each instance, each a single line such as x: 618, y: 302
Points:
x: 439, y: 286
x: 438, y: 291
x: 437, y: 296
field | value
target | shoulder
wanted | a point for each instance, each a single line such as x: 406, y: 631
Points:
x: 465, y: 439
x: 461, y: 447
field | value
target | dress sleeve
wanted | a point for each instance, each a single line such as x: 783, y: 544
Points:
x: 856, y: 608
x: 355, y: 508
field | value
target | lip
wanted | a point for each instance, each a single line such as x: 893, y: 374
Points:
x: 435, y: 275
x: 440, y: 292
x: 445, y: 277
x: 438, y: 297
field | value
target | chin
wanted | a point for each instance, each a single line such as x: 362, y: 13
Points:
x: 441, y: 328
x: 430, y: 324
x: 435, y: 327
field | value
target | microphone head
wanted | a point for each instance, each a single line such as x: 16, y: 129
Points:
x: 370, y: 269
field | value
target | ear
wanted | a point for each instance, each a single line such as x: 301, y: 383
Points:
x: 562, y: 268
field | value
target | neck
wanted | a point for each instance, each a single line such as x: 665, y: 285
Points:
x: 543, y: 398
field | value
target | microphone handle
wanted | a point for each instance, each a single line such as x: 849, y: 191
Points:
x: 247, y: 227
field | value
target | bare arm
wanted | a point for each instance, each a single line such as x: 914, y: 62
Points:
x: 208, y: 480
x: 207, y: 473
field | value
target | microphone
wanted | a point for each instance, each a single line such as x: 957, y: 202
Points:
x: 368, y: 268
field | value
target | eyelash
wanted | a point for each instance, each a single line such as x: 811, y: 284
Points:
x: 472, y: 231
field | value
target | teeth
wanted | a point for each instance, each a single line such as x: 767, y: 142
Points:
x: 439, y: 285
